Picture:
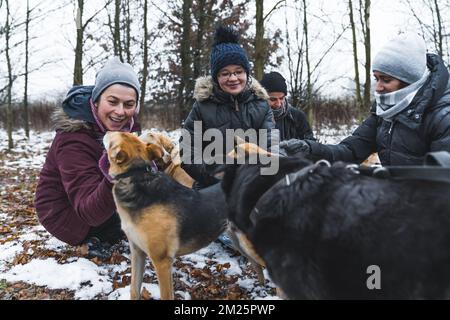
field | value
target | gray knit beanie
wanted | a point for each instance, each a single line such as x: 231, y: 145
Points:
x: 404, y: 58
x: 115, y: 72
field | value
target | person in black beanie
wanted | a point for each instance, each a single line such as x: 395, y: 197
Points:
x: 227, y: 99
x: 291, y: 122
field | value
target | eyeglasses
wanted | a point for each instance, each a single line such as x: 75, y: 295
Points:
x: 227, y: 75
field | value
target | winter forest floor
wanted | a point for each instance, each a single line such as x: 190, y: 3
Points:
x: 36, y: 265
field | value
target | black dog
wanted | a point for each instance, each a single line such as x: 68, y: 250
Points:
x: 319, y: 230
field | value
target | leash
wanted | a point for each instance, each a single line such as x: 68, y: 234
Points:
x: 151, y: 167
x: 436, y: 168
x: 425, y: 173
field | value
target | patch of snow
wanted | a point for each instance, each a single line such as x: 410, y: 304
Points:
x: 82, y: 276
x: 30, y: 236
x: 8, y: 251
x: 54, y: 244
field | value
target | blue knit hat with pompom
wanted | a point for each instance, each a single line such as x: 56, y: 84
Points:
x: 227, y: 50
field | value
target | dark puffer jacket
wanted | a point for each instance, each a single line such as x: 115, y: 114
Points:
x: 294, y: 125
x: 220, y: 110
x: 424, y: 126
x: 73, y: 195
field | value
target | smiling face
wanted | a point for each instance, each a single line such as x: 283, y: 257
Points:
x: 116, y: 106
x: 232, y: 79
x: 385, y: 83
x: 276, y: 99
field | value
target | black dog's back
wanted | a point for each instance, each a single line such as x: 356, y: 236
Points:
x: 319, y: 234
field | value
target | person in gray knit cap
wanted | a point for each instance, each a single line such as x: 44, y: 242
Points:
x: 410, y: 116
x: 74, y: 200
x: 291, y: 122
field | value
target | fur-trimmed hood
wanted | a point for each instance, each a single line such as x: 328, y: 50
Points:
x: 61, y: 121
x: 204, y: 89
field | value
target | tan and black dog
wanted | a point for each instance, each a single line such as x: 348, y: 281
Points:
x: 161, y: 218
x: 173, y: 166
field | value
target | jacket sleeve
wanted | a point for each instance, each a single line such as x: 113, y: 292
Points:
x: 355, y: 148
x: 440, y: 131
x: 191, y: 154
x: 304, y: 130
x: 88, y: 191
x: 273, y: 135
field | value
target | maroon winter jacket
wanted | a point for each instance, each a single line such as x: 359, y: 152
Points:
x: 72, y: 194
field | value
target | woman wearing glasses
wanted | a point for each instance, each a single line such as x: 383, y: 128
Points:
x: 227, y: 99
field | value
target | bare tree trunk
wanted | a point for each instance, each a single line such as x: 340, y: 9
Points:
x: 260, y: 57
x: 144, y: 62
x: 367, y: 45
x: 78, y: 67
x: 439, y: 28
x: 185, y: 58
x: 355, y: 56
x: 116, y: 35
x: 295, y: 67
x: 25, y: 95
x: 204, y: 21
x: 79, y: 50
x: 127, y: 30
x: 9, y: 117
x: 309, y: 106
x: 259, y: 40
x: 199, y: 39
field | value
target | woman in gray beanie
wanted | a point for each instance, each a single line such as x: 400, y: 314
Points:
x: 74, y: 199
x: 411, y: 115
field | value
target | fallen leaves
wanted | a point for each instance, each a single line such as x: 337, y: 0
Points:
x: 5, y: 229
x: 213, y: 280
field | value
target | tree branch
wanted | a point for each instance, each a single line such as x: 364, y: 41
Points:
x: 273, y: 9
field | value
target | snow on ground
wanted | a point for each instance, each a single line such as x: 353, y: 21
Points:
x: 30, y: 255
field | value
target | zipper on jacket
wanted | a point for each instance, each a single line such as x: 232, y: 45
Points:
x: 390, y: 139
x: 236, y: 105
x: 390, y: 128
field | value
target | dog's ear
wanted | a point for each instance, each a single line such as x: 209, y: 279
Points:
x: 119, y: 156
x: 154, y: 151
x: 166, y: 143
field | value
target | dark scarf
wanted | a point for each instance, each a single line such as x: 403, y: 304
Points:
x: 281, y: 112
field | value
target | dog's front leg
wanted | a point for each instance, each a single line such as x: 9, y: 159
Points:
x: 137, y: 270
x: 163, y: 269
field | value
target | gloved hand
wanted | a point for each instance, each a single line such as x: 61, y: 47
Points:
x: 103, y: 164
x: 295, y: 146
x: 282, y: 152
